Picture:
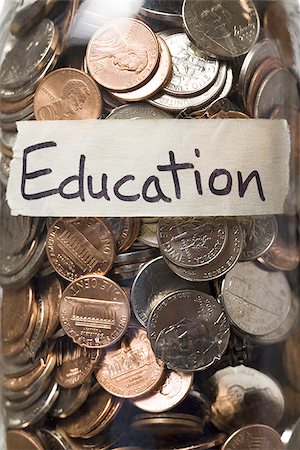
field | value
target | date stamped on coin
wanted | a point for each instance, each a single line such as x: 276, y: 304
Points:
x: 150, y: 168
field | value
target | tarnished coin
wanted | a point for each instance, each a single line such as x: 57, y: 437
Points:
x: 67, y: 94
x: 173, y: 390
x: 259, y: 235
x: 166, y: 11
x: 223, y: 28
x: 188, y: 330
x: 138, y: 111
x: 291, y: 360
x: 131, y: 369
x: 193, y: 73
x: 16, y: 439
x: 281, y: 256
x: 241, y: 396
x: 50, y: 289
x: 76, y: 247
x: 154, y: 281
x: 191, y: 241
x: 115, y: 408
x: 129, y: 232
x: 94, y: 311
x: 122, y: 54
x: 70, y: 400
x: 256, y: 301
x: 260, y: 437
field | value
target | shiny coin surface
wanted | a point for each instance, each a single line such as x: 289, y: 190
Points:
x: 281, y: 256
x: 188, y: 330
x: 70, y: 400
x: 173, y: 390
x: 223, y: 28
x: 148, y: 234
x: 122, y: 54
x: 76, y: 247
x: 17, y: 439
x: 138, y: 111
x: 67, y: 94
x: 260, y: 437
x: 94, y: 311
x: 131, y: 369
x: 259, y: 234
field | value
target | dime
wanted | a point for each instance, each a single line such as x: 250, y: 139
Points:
x: 16, y: 439
x: 67, y: 94
x: 193, y: 73
x: 241, y: 395
x: 188, y: 330
x: 94, y: 311
x: 79, y: 246
x: 154, y: 281
x: 191, y: 241
x: 16, y: 309
x: 122, y: 54
x: 148, y: 234
x: 70, y: 400
x: 291, y: 360
x: 138, y: 111
x: 271, y: 93
x: 261, y: 436
x: 223, y: 28
x: 158, y: 80
x: 75, y: 364
x: 259, y: 234
x: 256, y: 301
x: 173, y: 390
x: 131, y: 369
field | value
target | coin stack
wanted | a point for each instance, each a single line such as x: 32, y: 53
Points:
x: 150, y: 333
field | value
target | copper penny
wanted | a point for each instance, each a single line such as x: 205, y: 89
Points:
x: 260, y: 437
x: 115, y: 407
x: 76, y: 247
x: 281, y: 256
x: 50, y: 289
x: 267, y: 66
x: 157, y: 82
x: 17, y: 439
x: 67, y: 94
x: 129, y: 233
x: 291, y: 360
x: 70, y: 400
x: 75, y: 363
x: 131, y: 370
x: 94, y: 311
x: 122, y: 54
x: 16, y: 310
x: 169, y: 394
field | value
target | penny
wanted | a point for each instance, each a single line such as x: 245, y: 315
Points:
x: 52, y: 439
x: 153, y: 282
x: 25, y: 401
x: 260, y: 436
x: 116, y: 406
x: 191, y: 241
x: 122, y: 54
x: 157, y: 82
x: 204, y: 443
x: 133, y: 357
x: 51, y: 291
x: 192, y: 72
x: 16, y: 439
x: 264, y: 49
x: 229, y: 115
x: 67, y: 94
x: 138, y: 111
x: 267, y: 66
x: 223, y: 28
x: 129, y: 233
x: 173, y: 390
x: 259, y: 234
x: 16, y: 309
x: 75, y: 364
x: 257, y: 302
x: 30, y: 54
x: 70, y: 400
x: 241, y: 395
x: 94, y: 311
x: 271, y: 93
x: 291, y: 360
x: 79, y: 246
x: 281, y: 256
x: 218, y: 266
x: 188, y: 330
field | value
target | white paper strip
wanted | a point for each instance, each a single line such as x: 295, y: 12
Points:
x: 150, y: 168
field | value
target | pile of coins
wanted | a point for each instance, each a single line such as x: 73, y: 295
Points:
x: 150, y: 333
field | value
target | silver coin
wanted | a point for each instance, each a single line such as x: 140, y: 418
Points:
x: 154, y: 282
x: 259, y: 235
x: 294, y: 439
x: 267, y: 48
x: 8, y: 138
x: 241, y: 395
x: 52, y: 439
x: 138, y: 111
x: 137, y: 256
x: 148, y: 234
x: 257, y: 302
x: 4, y: 169
x: 15, y: 117
x: 177, y: 104
x: 166, y: 11
x: 222, y: 28
x: 192, y: 73
x: 30, y: 53
x: 188, y: 330
x: 25, y: 402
